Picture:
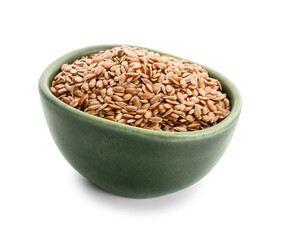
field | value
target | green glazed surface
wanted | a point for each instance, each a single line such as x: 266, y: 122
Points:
x: 132, y: 161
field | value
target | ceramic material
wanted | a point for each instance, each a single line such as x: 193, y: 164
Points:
x: 132, y: 161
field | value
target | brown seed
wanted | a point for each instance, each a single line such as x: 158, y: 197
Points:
x: 92, y: 83
x: 205, y: 118
x: 157, y: 88
x: 127, y: 116
x: 73, y: 71
x: 119, y: 89
x: 219, y: 85
x: 149, y: 87
x: 226, y: 112
x: 197, y: 111
x: 154, y: 105
x: 93, y: 107
x: 169, y: 88
x: 78, y: 79
x: 160, y: 65
x: 98, y: 70
x: 218, y: 112
x: 79, y: 93
x: 168, y: 112
x: 121, y: 104
x: 110, y: 91
x: 117, y: 98
x: 183, y: 84
x: 173, y: 97
x: 131, y: 108
x: 147, y: 95
x: 194, y: 99
x: 53, y: 90
x: 207, y: 90
x: 59, y: 86
x: 202, y: 92
x: 93, y: 95
x: 193, y: 126
x: 171, y: 101
x: 156, y: 119
x: 131, y: 120
x: 110, y: 118
x: 122, y: 78
x: 174, y: 81
x: 138, y: 122
x: 114, y: 106
x: 74, y: 103
x: 118, y: 116
x: 120, y: 53
x: 141, y: 111
x: 205, y: 110
x: 180, y: 97
x: 211, y: 106
x: 102, y: 107
x: 137, y: 116
x: 174, y: 115
x: 168, y: 106
x: 114, y: 67
x: 100, y: 84
x: 89, y: 76
x: 144, y: 69
x: 136, y: 101
x: 137, y: 65
x: 227, y: 103
x: 169, y: 75
x: 85, y: 87
x: 201, y: 83
x: 127, y: 97
x: 66, y: 100
x: 123, y: 120
x: 180, y: 129
x: 131, y: 90
x: 61, y: 91
x: 132, y: 74
x: 117, y: 72
x: 148, y: 114
x: 203, y: 99
x: 190, y: 118
x: 155, y: 98
x: 83, y: 99
x: 219, y: 108
x: 189, y: 104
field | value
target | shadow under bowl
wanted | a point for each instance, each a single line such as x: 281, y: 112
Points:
x: 132, y: 161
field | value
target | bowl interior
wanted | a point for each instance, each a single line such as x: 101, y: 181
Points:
x: 228, y: 87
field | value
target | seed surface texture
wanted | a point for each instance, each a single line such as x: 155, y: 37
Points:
x: 143, y: 89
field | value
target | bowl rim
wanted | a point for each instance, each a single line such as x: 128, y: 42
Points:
x: 54, y: 67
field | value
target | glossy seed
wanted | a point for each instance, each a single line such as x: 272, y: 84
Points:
x: 144, y: 89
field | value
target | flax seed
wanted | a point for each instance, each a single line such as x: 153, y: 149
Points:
x: 143, y: 89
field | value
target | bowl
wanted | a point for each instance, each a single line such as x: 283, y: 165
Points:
x: 132, y: 161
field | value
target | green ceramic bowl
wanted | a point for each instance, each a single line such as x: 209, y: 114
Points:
x: 132, y: 161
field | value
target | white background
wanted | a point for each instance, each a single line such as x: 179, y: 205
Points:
x: 43, y: 197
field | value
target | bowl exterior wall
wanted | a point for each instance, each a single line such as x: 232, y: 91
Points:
x: 132, y: 164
